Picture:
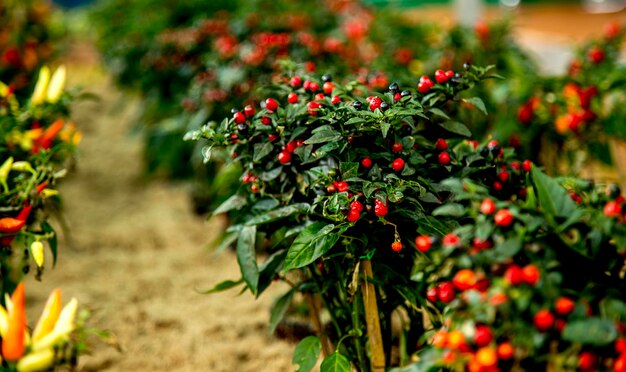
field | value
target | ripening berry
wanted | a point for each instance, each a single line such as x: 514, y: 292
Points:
x: 239, y: 118
x: 613, y: 209
x: 342, y: 186
x: 444, y: 158
x: 266, y: 121
x: 432, y: 294
x: 396, y: 246
x: 503, y: 218
x: 488, y: 206
x: 441, y: 144
x: 284, y: 157
x: 531, y: 274
x: 328, y: 87
x: 486, y: 357
x: 564, y: 306
x: 380, y: 209
x: 292, y: 98
x: 483, y: 336
x: 291, y: 146
x: 441, y: 77
x: 505, y: 351
x: 446, y: 292
x: 375, y: 103
x: 295, y: 81
x: 596, y: 55
x: 396, y: 147
x: 527, y: 166
x: 620, y: 345
x: 451, y: 240
x: 353, y: 216
x: 398, y: 164
x: 456, y: 340
x: 271, y: 104
x: 620, y: 364
x: 313, y: 107
x: 514, y: 275
x: 423, y: 243
x: 424, y: 84
x: 464, y: 279
x: 543, y: 320
x: 335, y: 100
x: 366, y: 163
x: 587, y: 361
x: 356, y: 206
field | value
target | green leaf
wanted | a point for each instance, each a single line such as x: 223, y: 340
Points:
x: 384, y: 128
x: 246, y: 257
x: 234, y: 202
x: 323, y: 136
x: 312, y: 242
x: 223, y: 286
x: 476, y: 102
x: 269, y: 269
x: 553, y: 198
x: 439, y: 113
x: 335, y: 362
x: 450, y: 209
x: 354, y: 120
x: 306, y: 353
x: 279, y: 213
x: 456, y: 127
x: 279, y: 309
x: 591, y: 331
x: 508, y: 248
x: 261, y: 150
x: 349, y: 169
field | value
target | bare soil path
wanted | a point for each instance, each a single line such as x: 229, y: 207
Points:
x: 136, y: 256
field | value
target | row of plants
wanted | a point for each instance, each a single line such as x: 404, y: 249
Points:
x: 425, y: 249
x: 38, y: 143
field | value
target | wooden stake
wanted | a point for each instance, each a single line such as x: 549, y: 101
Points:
x: 374, y: 335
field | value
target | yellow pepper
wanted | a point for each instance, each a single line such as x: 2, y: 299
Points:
x: 42, y: 85
x: 62, y: 328
x: 38, y: 361
x: 36, y: 250
x: 57, y: 83
x: 5, y: 168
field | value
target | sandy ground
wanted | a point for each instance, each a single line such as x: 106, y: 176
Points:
x: 136, y: 256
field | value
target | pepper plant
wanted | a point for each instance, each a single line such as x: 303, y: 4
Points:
x: 36, y: 143
x: 337, y: 181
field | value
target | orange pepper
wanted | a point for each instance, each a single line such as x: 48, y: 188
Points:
x: 10, y: 225
x: 13, y: 342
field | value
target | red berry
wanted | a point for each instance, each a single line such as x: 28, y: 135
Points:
x: 319, y: 96
x: 398, y: 165
x: 396, y: 246
x: 596, y: 55
x: 299, y: 142
x: 503, y: 218
x: 464, y: 279
x: 620, y: 364
x: 380, y: 208
x: 487, y: 207
x: 441, y: 76
x: 272, y: 137
x: 444, y: 158
x: 291, y: 146
x: 451, y: 240
x: 353, y: 216
x: 543, y: 320
x: 239, y: 118
x: 432, y: 294
x: 396, y: 147
x: 564, y: 306
x: 531, y: 274
x: 295, y: 81
x: 375, y: 103
x: 481, y: 244
x: 446, y: 292
x: 503, y: 176
x: 356, y: 206
x: 292, y: 98
x: 313, y: 107
x: 441, y: 144
x: 397, y: 97
x: 423, y: 243
x: 328, y: 87
x: 342, y: 186
x: 248, y: 110
x: 514, y: 275
x: 366, y: 163
x: 425, y: 84
x: 266, y: 121
x: 284, y: 157
x: 271, y: 104
x: 482, y: 336
x: 505, y: 351
x: 527, y: 166
x: 587, y: 361
x: 620, y: 345
x: 449, y: 74
x: 313, y: 87
x: 254, y: 188
x: 613, y: 209
x: 335, y: 100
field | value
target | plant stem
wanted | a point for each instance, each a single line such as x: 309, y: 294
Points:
x: 377, y: 352
x: 356, y: 313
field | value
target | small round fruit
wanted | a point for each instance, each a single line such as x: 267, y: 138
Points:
x: 266, y: 121
x: 295, y: 81
x: 342, y: 186
x: 587, y: 361
x: 396, y: 147
x: 239, y: 118
x: 356, y: 206
x: 284, y: 157
x: 292, y: 98
x: 396, y: 246
x: 527, y: 166
x: 483, y: 336
x: 375, y: 103
x: 514, y: 275
x: 271, y: 104
x: 564, y: 306
x: 543, y: 320
x: 531, y: 274
x: 620, y: 345
x: 464, y: 279
x: 441, y: 144
x: 248, y: 110
x: 446, y: 292
x: 380, y: 208
x: 444, y: 158
x: 432, y: 294
x: 503, y: 218
x: 486, y: 357
x: 613, y: 209
x: 441, y: 77
x: 353, y: 216
x: 488, y: 207
x: 328, y: 87
x: 505, y: 351
x: 451, y: 240
x: 335, y: 100
x: 423, y: 243
x: 398, y: 164
x: 456, y: 340
x: 366, y: 163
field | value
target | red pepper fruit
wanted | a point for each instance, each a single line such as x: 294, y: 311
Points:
x: 396, y: 246
x: 10, y: 225
x: 13, y: 341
